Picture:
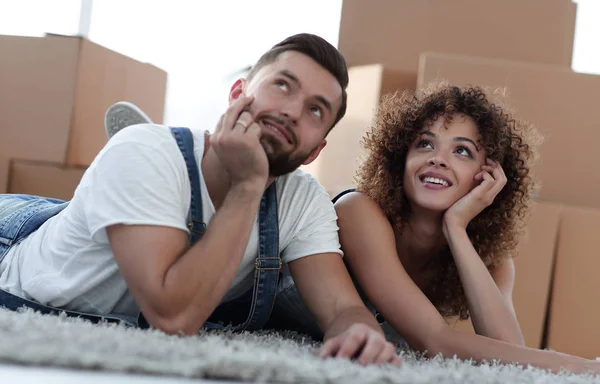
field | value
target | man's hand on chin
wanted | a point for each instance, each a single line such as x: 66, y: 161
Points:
x: 362, y: 343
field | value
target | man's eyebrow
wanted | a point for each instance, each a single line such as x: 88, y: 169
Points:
x: 294, y: 79
x: 291, y: 76
x: 325, y: 102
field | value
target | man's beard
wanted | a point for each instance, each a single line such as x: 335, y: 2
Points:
x: 280, y: 162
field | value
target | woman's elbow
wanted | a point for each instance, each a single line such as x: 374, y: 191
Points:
x: 434, y: 343
x: 508, y: 333
x: 446, y: 341
x: 511, y: 337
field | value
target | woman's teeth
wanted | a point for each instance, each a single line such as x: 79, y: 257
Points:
x: 434, y: 180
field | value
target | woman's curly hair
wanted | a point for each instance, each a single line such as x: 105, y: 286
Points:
x: 495, y: 232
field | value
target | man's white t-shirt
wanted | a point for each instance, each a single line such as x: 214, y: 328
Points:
x: 140, y: 177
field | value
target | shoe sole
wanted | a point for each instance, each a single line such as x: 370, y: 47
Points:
x: 123, y: 114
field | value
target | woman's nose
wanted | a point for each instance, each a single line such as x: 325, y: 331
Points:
x: 436, y: 161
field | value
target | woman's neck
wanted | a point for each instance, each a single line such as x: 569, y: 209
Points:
x: 420, y: 240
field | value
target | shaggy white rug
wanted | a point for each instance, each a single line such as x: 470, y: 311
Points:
x: 32, y: 339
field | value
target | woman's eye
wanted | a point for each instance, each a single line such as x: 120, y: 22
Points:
x: 424, y: 144
x: 463, y: 151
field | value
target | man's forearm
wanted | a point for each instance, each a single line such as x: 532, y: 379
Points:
x: 349, y: 316
x: 199, y: 279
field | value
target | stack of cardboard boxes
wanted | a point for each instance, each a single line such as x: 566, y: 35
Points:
x: 525, y: 46
x: 54, y: 91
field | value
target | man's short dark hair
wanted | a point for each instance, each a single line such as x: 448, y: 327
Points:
x: 317, y: 49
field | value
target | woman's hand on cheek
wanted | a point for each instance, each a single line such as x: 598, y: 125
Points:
x: 459, y: 215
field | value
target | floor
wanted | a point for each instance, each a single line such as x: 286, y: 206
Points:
x: 25, y: 374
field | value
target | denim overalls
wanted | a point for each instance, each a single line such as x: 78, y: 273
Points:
x: 21, y: 215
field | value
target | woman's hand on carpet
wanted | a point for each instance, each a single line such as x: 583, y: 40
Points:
x: 362, y: 343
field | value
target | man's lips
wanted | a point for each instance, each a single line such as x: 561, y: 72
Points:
x: 279, y: 129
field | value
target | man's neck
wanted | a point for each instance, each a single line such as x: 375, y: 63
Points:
x: 216, y: 178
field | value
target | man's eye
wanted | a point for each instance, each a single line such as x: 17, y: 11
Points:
x: 316, y: 111
x: 282, y: 84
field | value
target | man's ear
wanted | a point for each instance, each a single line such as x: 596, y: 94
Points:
x: 237, y: 89
x: 315, y: 153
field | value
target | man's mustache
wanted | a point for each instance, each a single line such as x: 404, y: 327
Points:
x: 281, y: 122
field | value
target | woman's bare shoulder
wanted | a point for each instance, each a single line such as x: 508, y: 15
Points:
x: 354, y: 203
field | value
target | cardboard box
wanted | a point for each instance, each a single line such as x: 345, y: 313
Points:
x: 4, y: 168
x: 54, y: 91
x: 533, y: 273
x: 574, y: 311
x: 560, y: 102
x: 44, y: 179
x: 396, y: 32
x: 336, y: 165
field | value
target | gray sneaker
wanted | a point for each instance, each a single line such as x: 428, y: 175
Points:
x: 121, y: 115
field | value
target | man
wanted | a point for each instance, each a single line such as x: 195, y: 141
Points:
x: 130, y: 244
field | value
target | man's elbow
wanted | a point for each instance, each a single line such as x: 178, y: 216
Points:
x: 174, y: 313
x: 172, y: 317
x: 174, y: 327
x: 172, y: 324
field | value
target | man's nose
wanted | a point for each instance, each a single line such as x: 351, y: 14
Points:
x: 292, y: 110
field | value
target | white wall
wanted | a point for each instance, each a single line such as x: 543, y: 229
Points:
x: 36, y: 17
x: 586, y: 51
x: 201, y: 44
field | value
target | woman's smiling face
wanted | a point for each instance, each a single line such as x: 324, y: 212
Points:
x: 442, y: 162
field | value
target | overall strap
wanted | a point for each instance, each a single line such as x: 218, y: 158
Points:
x: 268, y: 263
x: 195, y: 222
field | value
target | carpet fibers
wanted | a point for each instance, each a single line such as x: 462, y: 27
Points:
x: 29, y: 338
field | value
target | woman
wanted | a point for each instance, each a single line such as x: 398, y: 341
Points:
x: 432, y: 228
